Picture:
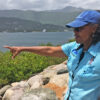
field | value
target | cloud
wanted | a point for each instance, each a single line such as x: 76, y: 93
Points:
x: 87, y: 4
x: 48, y: 4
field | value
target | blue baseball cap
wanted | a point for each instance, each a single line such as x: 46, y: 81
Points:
x: 86, y: 17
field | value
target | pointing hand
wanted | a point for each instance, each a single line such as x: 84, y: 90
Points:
x: 14, y: 50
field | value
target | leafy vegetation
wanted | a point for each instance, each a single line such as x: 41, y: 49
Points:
x: 71, y: 40
x: 23, y: 66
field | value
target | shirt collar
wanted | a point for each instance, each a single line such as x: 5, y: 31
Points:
x: 94, y: 49
x: 77, y: 49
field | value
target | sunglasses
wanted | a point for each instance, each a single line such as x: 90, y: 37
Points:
x: 77, y: 29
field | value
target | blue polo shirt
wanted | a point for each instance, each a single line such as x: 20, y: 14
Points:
x: 84, y: 76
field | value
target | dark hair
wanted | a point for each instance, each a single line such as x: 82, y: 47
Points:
x: 96, y: 36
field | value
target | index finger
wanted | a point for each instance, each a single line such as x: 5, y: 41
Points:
x: 7, y: 47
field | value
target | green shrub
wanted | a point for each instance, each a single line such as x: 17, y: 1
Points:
x: 23, y: 66
x: 71, y: 40
x: 48, y: 44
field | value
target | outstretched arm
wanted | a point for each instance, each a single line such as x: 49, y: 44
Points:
x: 41, y: 50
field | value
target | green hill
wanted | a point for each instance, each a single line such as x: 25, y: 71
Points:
x: 21, y: 25
x: 56, y: 17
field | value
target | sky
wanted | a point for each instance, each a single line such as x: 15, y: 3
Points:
x: 40, y: 5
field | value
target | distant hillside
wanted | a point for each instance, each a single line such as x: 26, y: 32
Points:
x: 20, y: 25
x: 56, y: 17
x: 68, y: 9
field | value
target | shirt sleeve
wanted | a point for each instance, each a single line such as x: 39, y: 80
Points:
x: 66, y: 48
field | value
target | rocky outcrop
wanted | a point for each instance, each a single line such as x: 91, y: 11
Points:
x: 51, y: 84
x: 40, y: 94
x: 3, y: 90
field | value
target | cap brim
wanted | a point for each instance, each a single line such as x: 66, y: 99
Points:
x: 76, y: 23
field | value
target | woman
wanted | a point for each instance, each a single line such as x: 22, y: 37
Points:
x: 83, y: 56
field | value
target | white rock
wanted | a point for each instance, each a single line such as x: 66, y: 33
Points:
x: 36, y: 85
x: 7, y: 95
x: 60, y: 80
x: 35, y: 81
x: 13, y: 93
x: 21, y: 84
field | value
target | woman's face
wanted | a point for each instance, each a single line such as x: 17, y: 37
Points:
x: 84, y: 34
